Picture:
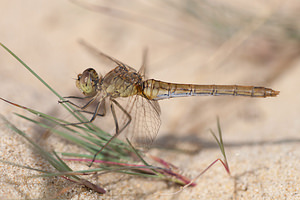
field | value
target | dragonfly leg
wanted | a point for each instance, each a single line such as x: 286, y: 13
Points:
x: 126, y: 113
x: 81, y: 107
x: 116, y: 124
x: 76, y: 97
x: 89, y: 112
x: 102, y: 105
x: 95, y: 114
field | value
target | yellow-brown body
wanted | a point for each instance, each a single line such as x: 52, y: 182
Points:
x: 157, y: 90
x: 124, y: 81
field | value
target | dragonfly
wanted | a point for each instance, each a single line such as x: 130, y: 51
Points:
x: 142, y: 111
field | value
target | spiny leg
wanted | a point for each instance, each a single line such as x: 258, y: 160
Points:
x: 89, y: 112
x: 76, y: 97
x: 95, y: 114
x: 128, y: 115
x: 116, y: 124
x: 80, y: 107
x: 102, y: 105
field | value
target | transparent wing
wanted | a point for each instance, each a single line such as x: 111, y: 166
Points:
x: 103, y: 55
x: 142, y: 70
x: 145, y: 115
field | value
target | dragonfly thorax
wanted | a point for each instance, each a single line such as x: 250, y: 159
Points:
x: 88, y: 82
x: 121, y: 82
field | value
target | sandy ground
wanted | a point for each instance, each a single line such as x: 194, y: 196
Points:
x: 209, y: 46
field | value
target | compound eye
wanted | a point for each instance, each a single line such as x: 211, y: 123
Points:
x: 79, y: 77
x: 87, y: 82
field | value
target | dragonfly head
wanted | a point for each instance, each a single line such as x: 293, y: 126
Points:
x: 88, y: 82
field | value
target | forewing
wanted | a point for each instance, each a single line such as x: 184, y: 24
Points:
x: 142, y: 70
x: 99, y: 53
x: 145, y: 113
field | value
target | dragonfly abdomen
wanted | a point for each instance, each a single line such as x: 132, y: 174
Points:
x: 157, y: 90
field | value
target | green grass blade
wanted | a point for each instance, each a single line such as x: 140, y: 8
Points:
x: 91, y: 138
x: 220, y: 143
x: 31, y: 71
x: 67, y: 106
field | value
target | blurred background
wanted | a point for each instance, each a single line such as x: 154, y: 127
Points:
x: 201, y: 42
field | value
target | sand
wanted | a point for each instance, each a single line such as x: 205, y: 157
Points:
x: 261, y: 135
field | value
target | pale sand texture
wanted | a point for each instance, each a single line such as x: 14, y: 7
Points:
x: 261, y: 135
